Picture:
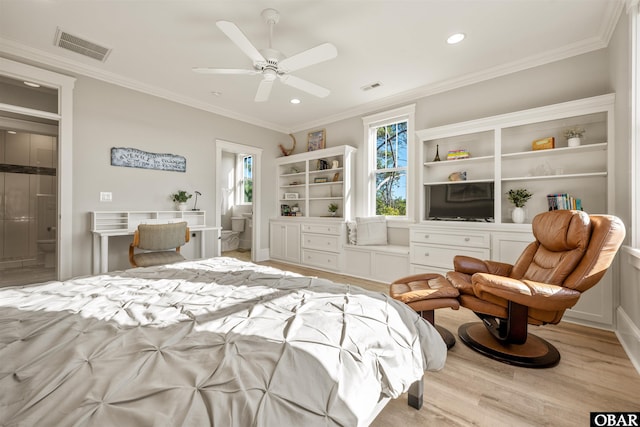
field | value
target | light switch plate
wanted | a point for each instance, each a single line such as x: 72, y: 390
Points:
x: 105, y: 196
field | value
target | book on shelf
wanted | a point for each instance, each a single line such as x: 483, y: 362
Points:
x: 563, y: 201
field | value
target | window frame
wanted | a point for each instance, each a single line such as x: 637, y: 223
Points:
x: 370, y: 124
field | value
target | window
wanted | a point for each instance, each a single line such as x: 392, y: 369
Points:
x: 245, y: 179
x: 389, y: 138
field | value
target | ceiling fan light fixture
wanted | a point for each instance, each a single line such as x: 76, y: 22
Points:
x: 295, y: 101
x: 455, y: 38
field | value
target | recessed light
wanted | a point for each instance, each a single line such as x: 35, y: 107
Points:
x: 31, y: 84
x: 295, y: 101
x: 455, y: 38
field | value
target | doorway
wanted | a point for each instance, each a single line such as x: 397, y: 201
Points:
x: 238, y: 199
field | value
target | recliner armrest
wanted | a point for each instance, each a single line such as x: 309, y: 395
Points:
x: 542, y: 296
x: 471, y: 265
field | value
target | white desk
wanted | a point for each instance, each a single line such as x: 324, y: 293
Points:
x: 101, y: 244
x: 105, y: 224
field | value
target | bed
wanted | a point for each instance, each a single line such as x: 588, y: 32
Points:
x: 209, y: 342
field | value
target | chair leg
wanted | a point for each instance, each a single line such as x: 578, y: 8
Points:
x: 449, y: 339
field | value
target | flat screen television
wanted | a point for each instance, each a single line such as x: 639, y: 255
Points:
x: 460, y: 202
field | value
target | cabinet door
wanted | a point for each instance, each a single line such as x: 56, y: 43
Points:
x: 507, y: 247
x: 284, y: 242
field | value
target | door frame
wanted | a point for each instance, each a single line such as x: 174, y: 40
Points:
x: 232, y: 147
x: 64, y: 117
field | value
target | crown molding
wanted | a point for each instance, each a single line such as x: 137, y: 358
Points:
x: 47, y: 60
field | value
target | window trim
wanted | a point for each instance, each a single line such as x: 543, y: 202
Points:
x: 369, y: 187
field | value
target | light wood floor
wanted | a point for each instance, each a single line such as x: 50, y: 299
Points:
x: 594, y: 374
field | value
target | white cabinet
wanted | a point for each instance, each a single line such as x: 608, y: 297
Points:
x: 501, y: 155
x: 322, y: 245
x: 307, y: 183
x: 380, y: 263
x: 284, y: 241
x: 432, y: 248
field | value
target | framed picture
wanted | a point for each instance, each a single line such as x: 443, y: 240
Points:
x: 320, y: 180
x: 290, y: 196
x: 316, y: 140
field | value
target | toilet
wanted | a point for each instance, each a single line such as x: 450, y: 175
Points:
x: 231, y: 238
x: 48, y: 247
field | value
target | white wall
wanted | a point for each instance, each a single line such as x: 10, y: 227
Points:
x: 107, y: 116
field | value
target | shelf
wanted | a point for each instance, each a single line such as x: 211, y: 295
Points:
x: 459, y: 161
x: 564, y: 176
x: 292, y: 185
x: 324, y: 170
x: 313, y: 184
x: 471, y: 181
x: 562, y: 150
x: 325, y: 198
x: 293, y: 200
x: 284, y: 175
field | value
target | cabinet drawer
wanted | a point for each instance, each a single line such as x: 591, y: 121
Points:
x: 321, y: 228
x: 478, y: 240
x: 320, y: 241
x: 325, y: 260
x: 439, y: 256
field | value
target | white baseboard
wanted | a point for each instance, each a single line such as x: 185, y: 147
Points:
x: 629, y: 336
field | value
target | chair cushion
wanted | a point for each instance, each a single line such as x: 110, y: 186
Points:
x: 146, y: 259
x: 160, y: 237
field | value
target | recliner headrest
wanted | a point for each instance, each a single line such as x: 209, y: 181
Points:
x: 562, y: 230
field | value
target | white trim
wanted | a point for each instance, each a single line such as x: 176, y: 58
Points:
x: 634, y: 133
x: 221, y: 145
x: 64, y: 85
x: 629, y: 336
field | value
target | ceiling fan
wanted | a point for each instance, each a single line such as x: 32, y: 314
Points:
x: 271, y: 63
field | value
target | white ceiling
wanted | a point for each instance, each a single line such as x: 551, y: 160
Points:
x: 399, y: 43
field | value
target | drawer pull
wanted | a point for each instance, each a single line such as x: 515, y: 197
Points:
x: 426, y: 254
x: 426, y: 236
x: 466, y: 239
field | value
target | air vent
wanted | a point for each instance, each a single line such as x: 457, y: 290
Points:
x: 371, y: 86
x: 79, y: 45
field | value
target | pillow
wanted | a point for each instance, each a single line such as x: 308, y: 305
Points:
x: 371, y: 230
x: 352, y: 231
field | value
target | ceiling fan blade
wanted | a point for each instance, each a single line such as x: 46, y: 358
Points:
x: 305, y: 85
x: 203, y: 70
x: 309, y: 57
x: 264, y: 89
x: 233, y: 32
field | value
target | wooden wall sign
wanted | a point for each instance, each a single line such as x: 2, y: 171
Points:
x: 134, y: 158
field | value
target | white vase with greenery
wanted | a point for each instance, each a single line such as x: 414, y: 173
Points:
x: 519, y: 198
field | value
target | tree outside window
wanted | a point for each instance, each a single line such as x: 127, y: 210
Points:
x: 391, y: 169
x: 247, y: 179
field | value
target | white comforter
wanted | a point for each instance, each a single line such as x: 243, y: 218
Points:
x: 212, y: 342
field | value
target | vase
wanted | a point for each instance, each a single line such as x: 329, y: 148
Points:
x: 182, y: 206
x: 517, y: 216
x: 573, y: 142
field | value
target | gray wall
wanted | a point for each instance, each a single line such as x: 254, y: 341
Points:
x: 107, y: 116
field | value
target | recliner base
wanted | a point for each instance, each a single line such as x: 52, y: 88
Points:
x: 534, y: 353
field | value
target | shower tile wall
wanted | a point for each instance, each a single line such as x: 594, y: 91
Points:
x: 23, y: 193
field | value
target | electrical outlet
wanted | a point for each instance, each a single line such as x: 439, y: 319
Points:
x: 105, y: 196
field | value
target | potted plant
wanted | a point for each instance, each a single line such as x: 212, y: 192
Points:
x: 180, y: 198
x: 333, y: 208
x: 519, y: 198
x: 573, y: 136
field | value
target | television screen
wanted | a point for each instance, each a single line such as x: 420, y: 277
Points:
x: 465, y: 201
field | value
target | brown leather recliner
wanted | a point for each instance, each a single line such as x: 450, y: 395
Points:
x: 572, y: 251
